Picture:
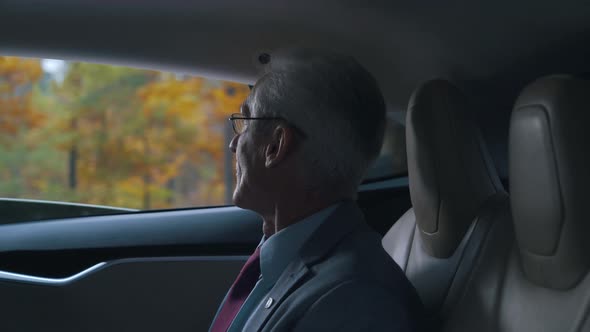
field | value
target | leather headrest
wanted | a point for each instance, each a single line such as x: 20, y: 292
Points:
x: 549, y: 169
x: 450, y: 172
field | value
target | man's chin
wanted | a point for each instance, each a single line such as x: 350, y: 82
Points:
x: 238, y: 199
x: 244, y: 201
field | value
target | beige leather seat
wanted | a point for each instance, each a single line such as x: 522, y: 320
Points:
x: 456, y: 196
x: 533, y: 271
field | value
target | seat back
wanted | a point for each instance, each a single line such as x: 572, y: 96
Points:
x: 455, y: 192
x: 533, y: 271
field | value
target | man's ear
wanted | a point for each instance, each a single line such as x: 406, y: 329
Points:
x: 281, y: 144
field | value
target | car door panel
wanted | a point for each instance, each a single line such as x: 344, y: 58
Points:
x: 147, y: 294
x: 154, y: 271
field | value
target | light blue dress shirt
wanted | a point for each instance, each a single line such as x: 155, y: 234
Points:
x: 276, y: 252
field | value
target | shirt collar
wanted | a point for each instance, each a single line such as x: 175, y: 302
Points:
x: 277, y: 251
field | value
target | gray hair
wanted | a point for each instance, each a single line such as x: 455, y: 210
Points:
x: 336, y: 103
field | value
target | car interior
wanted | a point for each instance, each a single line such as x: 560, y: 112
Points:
x: 488, y: 223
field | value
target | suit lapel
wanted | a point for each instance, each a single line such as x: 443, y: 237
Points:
x: 294, y: 273
x: 340, y: 223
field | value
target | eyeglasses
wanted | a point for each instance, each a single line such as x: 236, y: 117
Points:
x: 240, y: 122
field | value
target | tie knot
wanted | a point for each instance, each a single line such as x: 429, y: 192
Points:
x: 248, y: 275
x: 254, y: 261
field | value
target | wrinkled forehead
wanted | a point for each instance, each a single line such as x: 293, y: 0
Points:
x: 250, y: 106
x: 245, y: 108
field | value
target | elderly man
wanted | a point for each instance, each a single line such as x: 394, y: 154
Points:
x: 305, y: 136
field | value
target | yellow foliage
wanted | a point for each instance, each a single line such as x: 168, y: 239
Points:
x: 17, y: 77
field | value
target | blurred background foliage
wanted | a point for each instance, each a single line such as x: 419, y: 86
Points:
x: 117, y: 136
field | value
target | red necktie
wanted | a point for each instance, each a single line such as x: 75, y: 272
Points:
x: 238, y: 293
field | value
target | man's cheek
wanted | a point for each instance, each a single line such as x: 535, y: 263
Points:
x: 238, y: 172
x: 240, y: 167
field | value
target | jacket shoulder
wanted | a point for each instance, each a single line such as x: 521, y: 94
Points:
x: 360, y: 256
x: 357, y: 305
x: 355, y: 282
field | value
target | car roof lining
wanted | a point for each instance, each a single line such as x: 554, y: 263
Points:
x: 403, y: 44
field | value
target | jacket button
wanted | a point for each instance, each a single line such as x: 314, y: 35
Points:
x: 269, y: 302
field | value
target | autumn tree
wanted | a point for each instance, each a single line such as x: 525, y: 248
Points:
x: 17, y: 79
x: 187, y: 118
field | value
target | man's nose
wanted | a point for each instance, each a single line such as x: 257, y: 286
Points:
x: 233, y: 144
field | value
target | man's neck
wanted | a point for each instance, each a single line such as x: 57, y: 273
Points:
x: 291, y: 211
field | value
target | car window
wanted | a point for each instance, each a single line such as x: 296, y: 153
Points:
x: 125, y: 137
x: 392, y: 160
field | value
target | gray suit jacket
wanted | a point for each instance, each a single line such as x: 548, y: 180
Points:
x: 343, y: 280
